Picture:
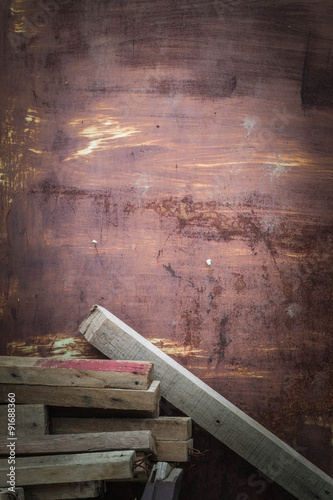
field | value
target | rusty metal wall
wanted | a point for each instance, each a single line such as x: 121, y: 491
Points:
x: 171, y: 160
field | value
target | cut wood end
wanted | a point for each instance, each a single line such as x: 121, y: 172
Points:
x: 84, y: 326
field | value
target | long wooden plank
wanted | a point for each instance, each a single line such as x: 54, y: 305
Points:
x: 170, y: 446
x: 70, y: 468
x: 87, y: 489
x: 76, y: 372
x: 87, y: 442
x: 30, y: 420
x: 87, y: 397
x: 162, y: 428
x: 211, y: 410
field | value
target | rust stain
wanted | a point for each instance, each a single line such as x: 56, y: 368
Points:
x: 201, y: 214
x: 67, y: 348
x: 179, y: 352
x: 192, y: 325
x: 239, y: 283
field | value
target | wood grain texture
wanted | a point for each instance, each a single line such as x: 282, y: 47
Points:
x: 173, y: 451
x: 70, y: 468
x: 210, y: 410
x: 173, y: 443
x: 76, y: 372
x: 30, y: 420
x: 162, y: 428
x: 87, y: 489
x: 86, y: 397
x: 87, y: 442
x: 172, y: 132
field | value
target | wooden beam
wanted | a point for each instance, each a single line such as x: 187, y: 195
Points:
x: 87, y: 489
x: 173, y: 451
x: 30, y: 420
x: 170, y: 446
x: 87, y: 397
x: 76, y: 372
x: 210, y: 410
x: 87, y: 442
x: 162, y: 428
x: 70, y: 468
x: 142, y: 466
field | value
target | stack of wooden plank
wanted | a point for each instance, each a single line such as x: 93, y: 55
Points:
x: 74, y: 424
x: 210, y: 410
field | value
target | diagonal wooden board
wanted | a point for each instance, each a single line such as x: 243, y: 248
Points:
x: 210, y: 410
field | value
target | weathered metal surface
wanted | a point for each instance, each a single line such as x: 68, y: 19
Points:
x: 172, y: 161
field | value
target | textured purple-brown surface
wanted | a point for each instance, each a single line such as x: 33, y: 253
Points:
x: 172, y: 161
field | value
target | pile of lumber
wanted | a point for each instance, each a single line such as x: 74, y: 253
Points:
x: 72, y: 425
x: 209, y: 409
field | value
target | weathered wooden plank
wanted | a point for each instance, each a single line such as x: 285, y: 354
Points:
x: 170, y: 446
x: 70, y: 468
x: 30, y: 420
x: 211, y: 410
x: 141, y: 468
x: 173, y: 451
x: 5, y: 494
x: 162, y: 428
x: 87, y: 489
x: 88, y: 397
x: 76, y: 372
x: 87, y: 442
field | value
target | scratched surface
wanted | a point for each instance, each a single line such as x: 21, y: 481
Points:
x: 172, y: 161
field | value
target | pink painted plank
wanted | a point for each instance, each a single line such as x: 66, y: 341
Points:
x: 95, y: 365
x: 121, y: 374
